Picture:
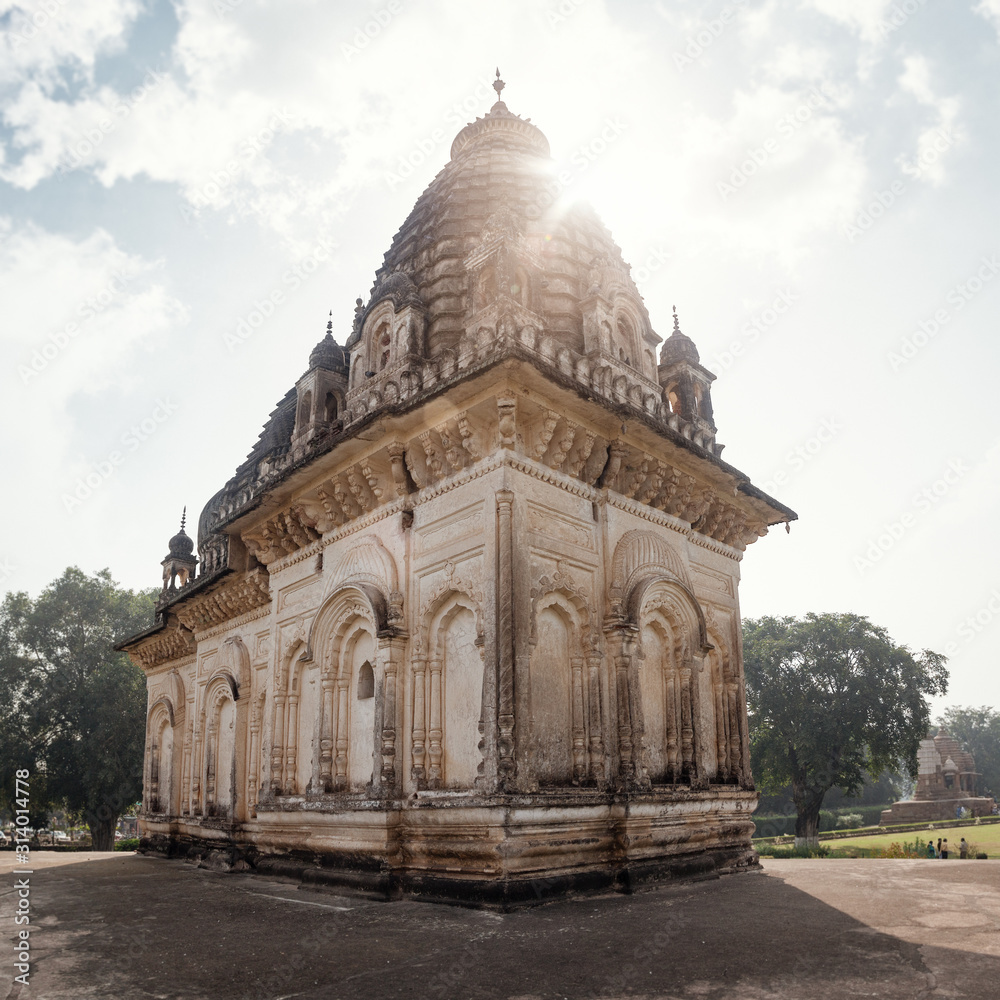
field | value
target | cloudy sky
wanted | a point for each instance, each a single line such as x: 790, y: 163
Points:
x: 812, y: 182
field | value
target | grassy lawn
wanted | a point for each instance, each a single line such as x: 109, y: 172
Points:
x: 984, y: 838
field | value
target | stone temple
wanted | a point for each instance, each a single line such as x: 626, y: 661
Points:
x: 946, y: 783
x: 465, y: 622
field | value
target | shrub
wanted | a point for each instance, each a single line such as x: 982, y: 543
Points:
x: 848, y: 821
x: 128, y: 844
x: 778, y: 851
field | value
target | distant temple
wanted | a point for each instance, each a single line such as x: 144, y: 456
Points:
x: 465, y: 623
x: 946, y: 783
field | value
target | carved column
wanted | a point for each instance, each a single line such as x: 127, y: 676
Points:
x: 594, y: 706
x: 687, y: 723
x: 342, y: 737
x: 436, y: 732
x: 278, y: 744
x: 392, y: 656
x: 579, y: 731
x: 327, y: 721
x: 736, y: 715
x: 620, y: 642
x: 292, y: 745
x: 418, y: 769
x: 673, y: 721
x: 505, y: 633
x: 724, y: 769
x: 253, y: 768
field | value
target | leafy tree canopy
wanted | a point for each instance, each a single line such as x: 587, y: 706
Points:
x: 72, y: 709
x: 832, y: 698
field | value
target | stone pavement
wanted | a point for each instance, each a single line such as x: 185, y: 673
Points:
x: 126, y: 927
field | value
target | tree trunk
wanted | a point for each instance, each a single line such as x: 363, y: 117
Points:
x: 102, y: 833
x: 808, y: 802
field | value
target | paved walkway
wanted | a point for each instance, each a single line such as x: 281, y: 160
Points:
x: 126, y: 927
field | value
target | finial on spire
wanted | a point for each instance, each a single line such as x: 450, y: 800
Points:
x: 498, y: 84
x: 677, y: 322
x: 329, y: 324
x: 184, y: 514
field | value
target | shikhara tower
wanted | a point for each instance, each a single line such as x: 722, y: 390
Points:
x: 465, y: 622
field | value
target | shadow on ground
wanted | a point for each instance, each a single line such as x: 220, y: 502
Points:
x: 132, y: 927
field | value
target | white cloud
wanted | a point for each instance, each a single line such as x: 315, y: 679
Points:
x: 990, y: 9
x: 46, y: 36
x: 865, y: 17
x: 938, y: 136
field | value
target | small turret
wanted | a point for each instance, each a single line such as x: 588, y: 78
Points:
x: 180, y: 562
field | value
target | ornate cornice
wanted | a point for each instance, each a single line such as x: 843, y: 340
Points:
x: 235, y: 597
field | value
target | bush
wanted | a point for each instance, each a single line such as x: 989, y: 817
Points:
x: 128, y: 844
x: 779, y: 852
x: 848, y: 821
x: 784, y: 825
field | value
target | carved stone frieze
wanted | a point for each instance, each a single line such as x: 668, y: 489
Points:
x: 171, y: 644
x: 234, y: 597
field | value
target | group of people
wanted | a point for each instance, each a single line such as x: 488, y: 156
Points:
x: 941, y: 850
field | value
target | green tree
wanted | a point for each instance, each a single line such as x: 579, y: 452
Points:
x: 832, y: 698
x: 73, y: 708
x: 978, y: 729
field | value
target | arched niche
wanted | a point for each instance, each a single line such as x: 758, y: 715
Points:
x: 672, y: 643
x: 559, y: 695
x: 347, y: 718
x: 224, y: 748
x: 163, y: 748
x: 447, y: 675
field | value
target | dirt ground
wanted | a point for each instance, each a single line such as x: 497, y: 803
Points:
x: 127, y: 927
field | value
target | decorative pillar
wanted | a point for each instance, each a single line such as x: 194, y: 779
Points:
x: 291, y: 742
x: 628, y: 733
x: 724, y: 769
x: 418, y: 769
x: 594, y: 706
x: 579, y: 731
x: 253, y: 769
x: 435, y: 734
x: 326, y: 735
x: 505, y: 635
x: 673, y: 721
x: 278, y: 744
x: 738, y: 758
x: 687, y: 724
x: 342, y: 737
x: 391, y: 654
